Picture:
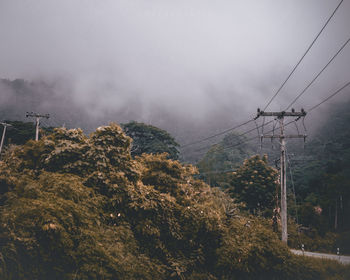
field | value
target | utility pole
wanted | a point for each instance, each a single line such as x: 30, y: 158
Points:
x: 37, y: 122
x: 5, y: 125
x: 283, y: 179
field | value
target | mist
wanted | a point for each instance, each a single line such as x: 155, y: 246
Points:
x: 191, y: 67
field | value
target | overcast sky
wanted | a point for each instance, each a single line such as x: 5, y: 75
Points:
x: 188, y: 59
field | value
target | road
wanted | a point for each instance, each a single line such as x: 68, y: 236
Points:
x: 339, y: 258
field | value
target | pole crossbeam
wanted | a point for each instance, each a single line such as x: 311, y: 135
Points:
x: 36, y: 115
x: 285, y: 136
x: 5, y: 124
x: 302, y: 113
x: 283, y: 167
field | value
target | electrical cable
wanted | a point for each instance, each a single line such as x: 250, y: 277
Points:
x: 311, y: 109
x: 300, y: 60
x: 273, y: 133
x: 44, y: 123
x: 293, y: 185
x: 250, y: 139
x: 288, y: 77
x: 215, y: 135
x: 240, y: 143
x: 247, y: 140
x: 329, y: 97
x: 319, y: 73
x: 236, y: 136
x: 295, y: 198
x: 217, y: 172
x: 55, y: 123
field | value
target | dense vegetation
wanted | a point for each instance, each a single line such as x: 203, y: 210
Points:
x: 322, y: 183
x: 150, y: 140
x: 20, y: 132
x: 77, y: 207
x: 320, y: 176
x: 256, y: 185
x: 222, y: 159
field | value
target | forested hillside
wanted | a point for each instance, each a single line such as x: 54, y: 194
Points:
x: 322, y: 178
x: 318, y: 180
x: 61, y: 99
x: 20, y: 96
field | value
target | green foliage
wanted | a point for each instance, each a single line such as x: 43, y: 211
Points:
x: 77, y: 207
x: 324, y: 182
x: 311, y: 238
x: 308, y: 216
x: 20, y: 132
x: 245, y: 252
x: 150, y: 140
x: 220, y: 160
x: 255, y: 184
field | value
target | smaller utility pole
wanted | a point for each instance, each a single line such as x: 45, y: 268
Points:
x: 37, y: 122
x: 5, y: 125
x: 283, y: 180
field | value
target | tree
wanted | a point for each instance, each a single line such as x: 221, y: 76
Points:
x: 150, y: 140
x: 215, y: 166
x: 20, y: 132
x: 88, y: 209
x: 324, y: 180
x: 255, y: 184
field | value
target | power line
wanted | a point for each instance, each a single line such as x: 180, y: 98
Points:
x: 236, y: 136
x: 217, y: 172
x: 319, y: 73
x: 45, y: 124
x: 329, y: 97
x: 293, y: 185
x: 310, y: 110
x: 215, y: 135
x: 293, y: 188
x: 243, y: 142
x: 300, y: 60
x: 288, y: 77
x: 249, y: 139
x: 56, y: 124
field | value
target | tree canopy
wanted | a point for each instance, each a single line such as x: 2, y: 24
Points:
x: 322, y: 178
x: 255, y: 184
x: 150, y: 140
x: 20, y: 132
x: 222, y: 159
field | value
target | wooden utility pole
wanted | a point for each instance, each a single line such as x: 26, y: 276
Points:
x: 5, y: 125
x: 283, y: 178
x: 37, y: 122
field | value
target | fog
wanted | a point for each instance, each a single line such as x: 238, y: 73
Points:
x: 193, y: 67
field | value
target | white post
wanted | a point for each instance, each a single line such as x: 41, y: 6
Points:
x: 2, y: 139
x: 37, y: 122
x: 283, y: 184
